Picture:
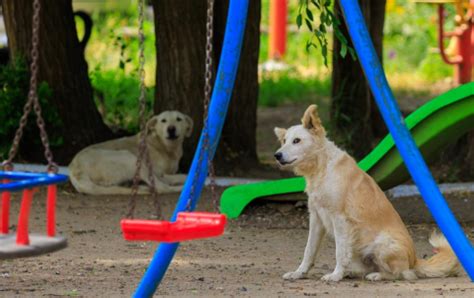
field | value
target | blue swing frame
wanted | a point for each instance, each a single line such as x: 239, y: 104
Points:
x: 388, y: 107
x: 22, y: 180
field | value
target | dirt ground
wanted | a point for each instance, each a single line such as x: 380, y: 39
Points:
x: 248, y: 260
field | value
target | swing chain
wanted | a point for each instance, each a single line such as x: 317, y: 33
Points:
x: 207, y: 97
x: 143, y: 152
x: 32, y: 101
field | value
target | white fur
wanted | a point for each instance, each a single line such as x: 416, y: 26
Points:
x: 346, y: 203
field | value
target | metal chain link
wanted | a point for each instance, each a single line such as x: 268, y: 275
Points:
x: 207, y: 97
x: 143, y: 152
x: 32, y: 101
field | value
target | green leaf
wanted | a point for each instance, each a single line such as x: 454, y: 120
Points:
x: 316, y: 4
x: 343, y: 51
x: 299, y: 20
x: 309, y: 25
x: 309, y: 14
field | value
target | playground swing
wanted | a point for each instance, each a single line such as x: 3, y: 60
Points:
x: 22, y: 244
x: 188, y: 225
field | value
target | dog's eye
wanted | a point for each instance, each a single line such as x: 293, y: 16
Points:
x: 178, y: 119
x: 163, y: 120
x: 284, y: 141
x: 296, y: 140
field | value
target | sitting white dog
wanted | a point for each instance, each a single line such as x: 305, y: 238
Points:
x: 346, y: 203
x: 105, y: 168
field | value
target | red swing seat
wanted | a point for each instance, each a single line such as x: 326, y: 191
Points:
x: 188, y: 226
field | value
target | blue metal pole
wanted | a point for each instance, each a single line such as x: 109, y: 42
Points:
x: 403, y: 140
x: 221, y: 96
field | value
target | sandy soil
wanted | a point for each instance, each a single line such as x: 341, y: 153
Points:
x: 248, y: 260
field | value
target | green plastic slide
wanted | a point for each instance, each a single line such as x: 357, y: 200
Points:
x: 435, y: 124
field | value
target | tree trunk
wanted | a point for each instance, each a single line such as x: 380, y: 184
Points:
x: 180, y: 27
x: 354, y: 115
x: 61, y: 65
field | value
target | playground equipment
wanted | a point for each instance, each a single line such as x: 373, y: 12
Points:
x: 227, y: 71
x: 401, y: 137
x: 218, y: 108
x: 277, y: 29
x: 439, y: 122
x: 188, y: 225
x: 22, y: 244
x: 403, y: 140
x: 463, y: 57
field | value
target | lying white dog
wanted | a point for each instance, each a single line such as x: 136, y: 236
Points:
x: 106, y: 167
x: 345, y: 202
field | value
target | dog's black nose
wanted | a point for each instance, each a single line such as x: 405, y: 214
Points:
x: 278, y: 155
x: 172, y: 131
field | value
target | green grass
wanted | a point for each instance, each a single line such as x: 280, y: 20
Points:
x: 288, y: 87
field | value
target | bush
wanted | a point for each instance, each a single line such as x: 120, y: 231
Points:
x: 14, y: 83
x: 117, y: 95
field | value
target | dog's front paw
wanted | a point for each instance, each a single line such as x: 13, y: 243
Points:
x: 332, y: 277
x: 294, y: 275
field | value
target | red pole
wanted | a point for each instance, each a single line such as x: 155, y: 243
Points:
x: 22, y: 237
x: 4, y: 222
x: 51, y: 211
x: 464, y: 45
x: 472, y: 44
x: 277, y: 34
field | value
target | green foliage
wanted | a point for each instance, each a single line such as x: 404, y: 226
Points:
x: 112, y: 55
x: 433, y: 68
x: 114, y: 42
x: 14, y: 82
x: 117, y: 93
x: 320, y: 29
x: 410, y: 40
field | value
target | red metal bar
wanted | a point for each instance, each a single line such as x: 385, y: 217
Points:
x: 441, y: 36
x: 51, y: 211
x: 470, y: 18
x: 277, y: 29
x: 22, y: 237
x: 4, y: 220
x: 464, y: 69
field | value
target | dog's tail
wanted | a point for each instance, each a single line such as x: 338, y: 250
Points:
x: 443, y: 263
x: 83, y: 184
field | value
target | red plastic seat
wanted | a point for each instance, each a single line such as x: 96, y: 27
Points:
x: 188, y: 226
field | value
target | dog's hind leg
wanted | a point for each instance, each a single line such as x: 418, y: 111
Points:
x: 315, y: 237
x: 394, y: 266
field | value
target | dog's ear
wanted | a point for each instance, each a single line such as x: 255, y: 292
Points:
x: 311, y: 120
x: 150, y: 125
x: 280, y: 133
x: 190, y: 125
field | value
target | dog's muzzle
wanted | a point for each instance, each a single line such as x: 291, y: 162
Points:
x: 172, y: 133
x: 281, y: 160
